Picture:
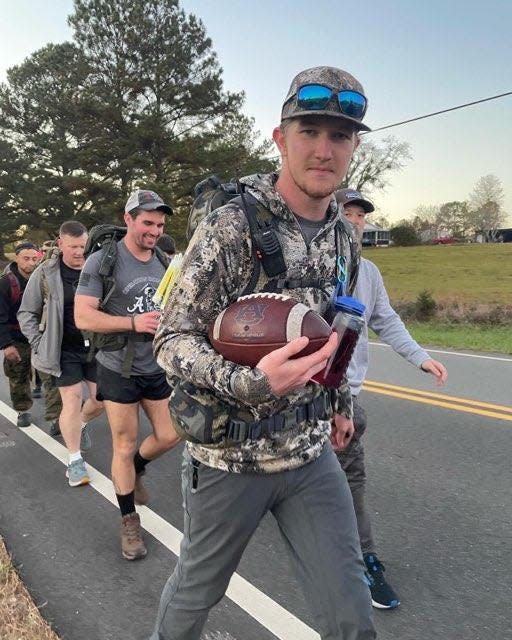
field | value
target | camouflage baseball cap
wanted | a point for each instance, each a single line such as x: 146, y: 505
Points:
x: 147, y: 200
x: 351, y: 196
x: 335, y: 79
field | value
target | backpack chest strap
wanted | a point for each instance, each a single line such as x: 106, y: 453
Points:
x: 303, y: 283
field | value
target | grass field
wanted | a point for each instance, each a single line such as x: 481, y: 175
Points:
x: 468, y: 336
x: 465, y: 273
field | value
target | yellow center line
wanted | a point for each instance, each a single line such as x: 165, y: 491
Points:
x: 440, y: 396
x: 437, y: 403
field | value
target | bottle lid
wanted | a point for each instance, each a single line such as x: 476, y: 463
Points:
x: 350, y: 305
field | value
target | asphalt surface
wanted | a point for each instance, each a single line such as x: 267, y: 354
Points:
x: 439, y: 489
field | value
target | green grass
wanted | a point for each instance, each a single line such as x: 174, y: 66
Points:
x: 465, y: 273
x: 473, y: 337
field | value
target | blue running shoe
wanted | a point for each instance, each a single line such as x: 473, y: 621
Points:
x: 383, y: 596
x: 77, y: 473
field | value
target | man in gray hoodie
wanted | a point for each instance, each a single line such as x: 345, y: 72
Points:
x: 46, y: 318
x: 387, y: 324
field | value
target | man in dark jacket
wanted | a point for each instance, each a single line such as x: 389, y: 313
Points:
x: 14, y: 344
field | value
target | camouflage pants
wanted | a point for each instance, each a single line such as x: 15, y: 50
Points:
x: 52, y: 399
x: 20, y: 375
x: 352, y: 463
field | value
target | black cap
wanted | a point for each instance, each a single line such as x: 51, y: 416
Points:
x: 25, y: 245
x: 351, y: 196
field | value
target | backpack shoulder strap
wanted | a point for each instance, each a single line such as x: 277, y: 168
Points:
x: 266, y: 248
x: 162, y: 256
x: 106, y: 269
x: 341, y: 232
x: 15, y: 287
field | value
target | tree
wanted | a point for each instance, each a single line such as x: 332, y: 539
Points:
x: 136, y: 100
x: 158, y: 89
x: 403, y: 234
x: 488, y: 219
x: 380, y: 220
x: 40, y: 116
x: 454, y: 217
x: 487, y: 189
x: 427, y: 221
x: 371, y: 164
x: 487, y: 214
x: 231, y: 150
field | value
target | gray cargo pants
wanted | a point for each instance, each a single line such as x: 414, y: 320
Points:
x: 352, y: 463
x: 314, y: 511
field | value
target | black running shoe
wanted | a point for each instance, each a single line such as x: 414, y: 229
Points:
x: 383, y: 596
x: 54, y: 428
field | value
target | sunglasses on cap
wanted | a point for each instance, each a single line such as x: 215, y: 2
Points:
x: 315, y: 97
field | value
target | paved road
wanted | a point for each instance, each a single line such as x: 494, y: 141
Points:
x: 439, y: 489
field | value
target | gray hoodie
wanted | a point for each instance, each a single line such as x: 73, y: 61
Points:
x: 45, y: 337
x: 383, y: 319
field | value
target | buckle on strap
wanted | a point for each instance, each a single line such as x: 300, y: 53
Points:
x: 238, y: 430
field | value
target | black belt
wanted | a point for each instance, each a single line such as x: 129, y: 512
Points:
x: 320, y: 409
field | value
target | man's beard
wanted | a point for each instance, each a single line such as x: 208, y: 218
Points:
x: 318, y: 192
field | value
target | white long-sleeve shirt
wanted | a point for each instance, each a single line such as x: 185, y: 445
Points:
x: 383, y: 319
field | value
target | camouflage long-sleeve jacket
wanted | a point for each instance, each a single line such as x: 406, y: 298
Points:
x: 216, y: 268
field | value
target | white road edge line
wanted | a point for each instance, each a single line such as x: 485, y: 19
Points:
x: 279, y: 621
x: 449, y: 353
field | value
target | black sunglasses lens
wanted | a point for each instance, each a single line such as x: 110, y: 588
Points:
x: 312, y: 97
x: 352, y: 104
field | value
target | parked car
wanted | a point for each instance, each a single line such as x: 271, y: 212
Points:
x: 445, y: 240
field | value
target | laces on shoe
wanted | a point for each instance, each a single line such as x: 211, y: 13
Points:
x: 132, y: 530
x: 375, y: 567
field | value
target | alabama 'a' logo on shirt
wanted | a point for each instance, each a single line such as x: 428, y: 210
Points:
x: 144, y: 301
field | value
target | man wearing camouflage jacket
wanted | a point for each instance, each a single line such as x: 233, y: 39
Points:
x: 230, y: 484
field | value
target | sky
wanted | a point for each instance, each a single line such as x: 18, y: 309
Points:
x: 411, y: 57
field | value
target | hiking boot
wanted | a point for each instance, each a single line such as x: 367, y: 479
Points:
x: 140, y: 492
x: 36, y: 393
x: 24, y: 419
x: 54, y: 429
x: 132, y: 545
x: 85, y: 439
x: 383, y: 596
x: 77, y: 473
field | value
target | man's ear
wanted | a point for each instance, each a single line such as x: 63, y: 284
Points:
x: 278, y: 137
x: 126, y: 217
x: 357, y: 140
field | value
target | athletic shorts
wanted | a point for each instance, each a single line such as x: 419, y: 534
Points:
x: 75, y: 368
x: 112, y: 386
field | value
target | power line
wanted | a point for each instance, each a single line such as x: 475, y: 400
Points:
x: 436, y: 113
x: 428, y: 115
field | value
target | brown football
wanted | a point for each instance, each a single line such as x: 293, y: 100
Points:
x: 255, y: 325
